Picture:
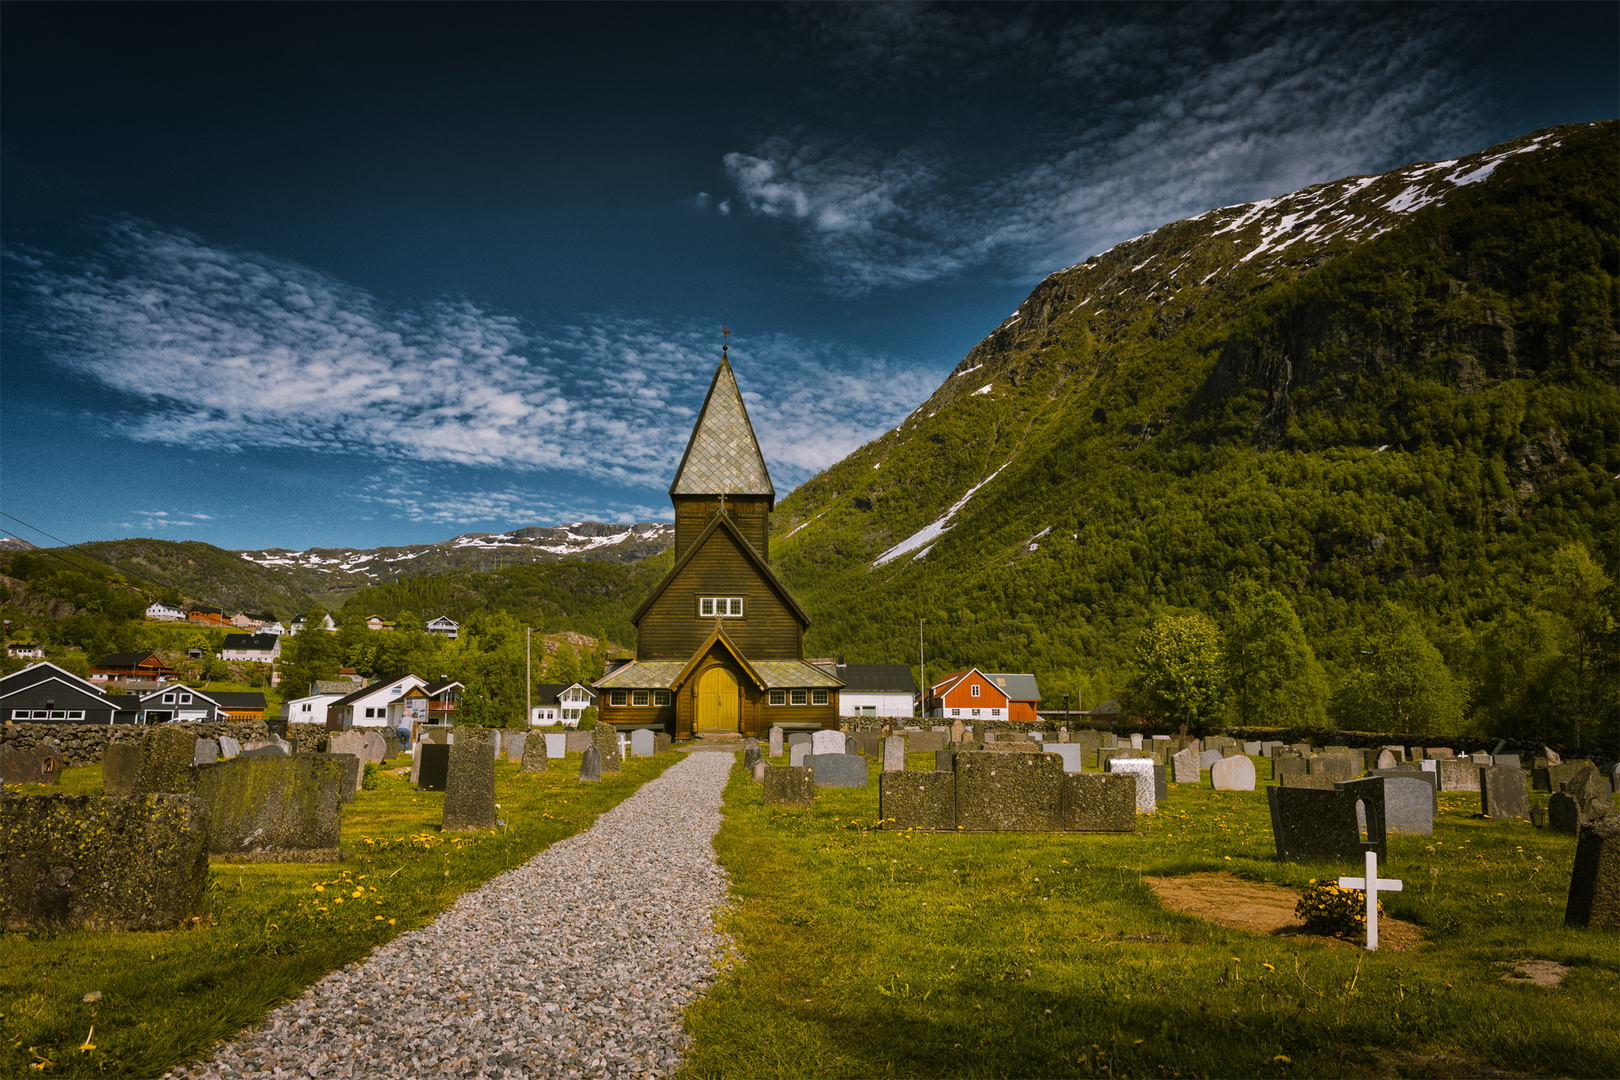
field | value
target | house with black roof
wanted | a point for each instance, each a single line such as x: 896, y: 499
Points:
x: 45, y: 694
x: 131, y: 667
x: 178, y: 703
x: 875, y: 689
x: 262, y: 648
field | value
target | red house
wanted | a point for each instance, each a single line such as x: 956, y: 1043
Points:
x: 976, y: 695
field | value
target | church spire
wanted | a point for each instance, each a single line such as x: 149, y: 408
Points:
x: 722, y: 457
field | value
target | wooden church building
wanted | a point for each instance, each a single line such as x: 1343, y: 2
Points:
x: 720, y: 642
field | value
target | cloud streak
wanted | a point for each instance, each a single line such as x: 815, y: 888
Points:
x: 228, y: 349
x: 1134, y: 123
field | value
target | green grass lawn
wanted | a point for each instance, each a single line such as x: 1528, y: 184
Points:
x: 272, y: 929
x: 871, y: 953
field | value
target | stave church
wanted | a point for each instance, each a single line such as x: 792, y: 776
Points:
x: 720, y: 642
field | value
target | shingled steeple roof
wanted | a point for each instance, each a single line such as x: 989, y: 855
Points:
x: 722, y: 457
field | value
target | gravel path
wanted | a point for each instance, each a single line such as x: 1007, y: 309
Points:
x: 577, y: 964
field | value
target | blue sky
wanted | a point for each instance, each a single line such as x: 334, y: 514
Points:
x: 323, y: 275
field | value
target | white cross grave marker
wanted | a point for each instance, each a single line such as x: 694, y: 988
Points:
x: 1373, y: 884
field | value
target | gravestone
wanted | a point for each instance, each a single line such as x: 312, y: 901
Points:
x: 917, y: 800
x: 1594, y: 883
x: 797, y: 752
x: 1208, y: 758
x: 1063, y: 733
x: 1233, y: 774
x: 1136, y: 741
x: 605, y: 737
x: 1480, y: 759
x: 776, y: 742
x: 924, y: 742
x: 1288, y: 766
x: 751, y: 754
x: 1070, y: 753
x: 1407, y: 803
x: 41, y: 764
x: 494, y: 740
x: 1504, y: 792
x: 353, y: 772
x: 1551, y: 755
x: 827, y: 742
x: 1310, y: 825
x: 1146, y: 789
x: 1318, y: 782
x: 1562, y: 773
x: 1008, y: 792
x: 376, y: 748
x: 958, y: 731
x: 1427, y: 779
x: 1509, y: 760
x: 838, y: 770
x: 1458, y: 775
x: 1585, y: 798
x: 894, y: 754
x: 852, y: 745
x: 517, y: 744
x: 1386, y: 760
x: 435, y: 766
x: 78, y: 862
x: 590, y: 765
x: 799, y: 738
x: 390, y: 740
x: 758, y: 771
x: 641, y: 744
x: 1230, y: 750
x: 349, y: 742
x: 416, y: 763
x: 1099, y: 802
x: 205, y: 752
x: 556, y: 745
x: 229, y: 747
x: 284, y: 809
x: 166, y: 756
x: 575, y: 742
x: 121, y: 768
x: 1271, y: 748
x: 1336, y: 767
x: 536, y: 756
x: 469, y: 793
x: 662, y: 742
x: 1438, y: 753
x: 790, y: 788
x: 1184, y: 767
x: 945, y: 760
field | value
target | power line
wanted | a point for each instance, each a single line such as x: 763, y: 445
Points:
x: 75, y: 547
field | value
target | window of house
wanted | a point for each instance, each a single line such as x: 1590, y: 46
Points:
x: 975, y: 712
x: 720, y: 607
x: 956, y: 712
x: 995, y: 712
x: 818, y: 697
x: 185, y: 699
x: 800, y: 697
x: 638, y: 697
x: 660, y: 697
x: 973, y: 691
x: 306, y: 707
x: 168, y: 699
x: 778, y: 697
x: 58, y: 714
x: 618, y: 697
x: 75, y: 714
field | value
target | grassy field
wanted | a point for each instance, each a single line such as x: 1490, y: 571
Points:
x: 870, y: 953
x: 272, y: 929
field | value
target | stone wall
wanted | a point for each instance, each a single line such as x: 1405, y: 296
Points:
x: 82, y: 744
x: 311, y: 738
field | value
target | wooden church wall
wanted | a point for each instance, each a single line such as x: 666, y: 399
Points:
x: 751, y: 514
x: 672, y: 629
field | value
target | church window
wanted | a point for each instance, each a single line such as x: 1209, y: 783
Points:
x: 660, y: 697
x: 638, y: 697
x: 720, y: 607
x: 778, y: 697
x: 618, y: 697
x: 818, y: 697
x: 800, y: 697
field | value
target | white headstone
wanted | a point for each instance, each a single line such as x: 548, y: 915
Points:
x: 641, y: 743
x: 556, y: 744
x: 229, y: 747
x: 1146, y: 802
x: 796, y: 754
x: 1136, y: 741
x: 894, y: 753
x: 776, y: 742
x: 1073, y: 754
x: 1208, y: 758
x: 827, y: 742
x: 759, y: 769
x: 1232, y: 774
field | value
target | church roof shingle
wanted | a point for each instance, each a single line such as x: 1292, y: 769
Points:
x: 722, y: 457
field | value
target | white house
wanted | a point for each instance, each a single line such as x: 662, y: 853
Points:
x: 273, y: 628
x: 876, y: 690
x: 297, y: 624
x: 20, y: 651
x: 165, y: 612
x: 368, y: 706
x: 444, y: 626
x: 558, y: 704
x: 310, y: 709
x: 178, y: 703
x: 263, y: 648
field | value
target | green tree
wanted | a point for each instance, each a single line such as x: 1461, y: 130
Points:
x: 562, y: 667
x: 1583, y: 596
x: 1272, y: 671
x: 1399, y: 682
x: 1179, y: 674
x: 1518, y: 692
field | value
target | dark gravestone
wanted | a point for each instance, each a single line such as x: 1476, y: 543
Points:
x: 469, y: 791
x: 275, y: 749
x: 1161, y: 783
x: 590, y: 765
x: 280, y: 809
x: 435, y: 767
x: 1563, y: 772
x: 31, y: 765
x: 1098, y: 802
x: 945, y: 760
x: 1008, y: 792
x: 921, y: 742
x: 166, y: 760
x: 1504, y: 792
x: 917, y: 800
x: 1584, y: 798
x: 1309, y: 783
x: 390, y: 745
x: 1594, y: 884
x: 79, y: 862
x: 852, y: 745
x: 1288, y: 766
x: 353, y: 773
x: 790, y: 788
x: 1336, y: 767
x: 837, y: 770
x: 535, y: 755
x: 751, y: 754
x: 661, y: 742
x: 796, y: 737
x: 605, y: 737
x: 1314, y: 825
x: 121, y: 768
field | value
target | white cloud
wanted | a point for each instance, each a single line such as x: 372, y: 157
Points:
x: 1134, y: 124
x: 224, y: 349
x: 154, y: 521
x: 417, y: 495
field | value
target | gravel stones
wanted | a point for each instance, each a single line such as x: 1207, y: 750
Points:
x: 580, y: 963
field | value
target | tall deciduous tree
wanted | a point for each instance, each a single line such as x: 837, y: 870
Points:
x: 1583, y: 596
x: 1400, y: 682
x: 1179, y: 672
x: 1273, y: 674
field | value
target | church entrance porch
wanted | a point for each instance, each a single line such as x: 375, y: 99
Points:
x: 717, y: 703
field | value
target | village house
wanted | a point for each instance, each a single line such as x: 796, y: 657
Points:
x: 720, y: 642
x: 444, y: 627
x: 18, y: 650
x: 368, y: 706
x: 179, y: 703
x: 260, y: 648
x: 377, y: 622
x: 203, y: 615
x: 240, y: 705
x: 45, y: 694
x: 297, y: 624
x: 124, y: 668
x: 559, y: 704
x: 975, y: 695
x: 311, y: 709
x: 158, y: 611
x: 875, y: 690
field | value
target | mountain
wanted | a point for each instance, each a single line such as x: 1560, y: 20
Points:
x: 1391, y: 387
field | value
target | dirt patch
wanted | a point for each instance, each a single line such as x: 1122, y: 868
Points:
x: 1536, y: 972
x: 1260, y: 908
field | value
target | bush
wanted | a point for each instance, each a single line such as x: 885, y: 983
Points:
x: 587, y: 718
x: 371, y: 778
x: 1329, y: 909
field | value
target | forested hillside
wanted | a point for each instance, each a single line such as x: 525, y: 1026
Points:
x: 1390, y: 401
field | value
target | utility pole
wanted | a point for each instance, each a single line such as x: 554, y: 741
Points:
x: 528, y: 677
x: 922, y: 667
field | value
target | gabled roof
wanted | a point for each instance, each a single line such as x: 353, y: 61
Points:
x: 443, y: 619
x: 129, y: 660
x: 1018, y: 687
x: 718, y: 636
x: 434, y: 689
x: 68, y: 683
x: 266, y: 642
x: 877, y: 678
x: 722, y: 456
x: 240, y: 700
x: 34, y: 673
x: 372, y: 688
x: 212, y: 699
x: 723, y: 521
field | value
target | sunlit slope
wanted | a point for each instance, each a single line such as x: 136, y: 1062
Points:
x: 1208, y: 402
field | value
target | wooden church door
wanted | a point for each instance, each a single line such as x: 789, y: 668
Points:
x: 717, y: 701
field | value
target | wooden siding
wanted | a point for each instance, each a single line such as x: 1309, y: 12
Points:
x: 671, y: 628
x: 750, y: 513
x: 638, y: 714
x: 755, y: 714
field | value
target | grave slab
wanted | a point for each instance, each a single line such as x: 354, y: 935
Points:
x: 1458, y: 775
x: 1008, y: 792
x: 1309, y: 825
x: 1073, y: 759
x: 776, y: 742
x: 590, y: 765
x: 790, y: 788
x: 1504, y: 792
x: 894, y: 754
x: 1184, y: 767
x: 837, y: 770
x: 31, y: 764
x: 274, y: 809
x: 121, y: 769
x: 917, y: 800
x: 1232, y: 774
x: 536, y: 755
x: 827, y: 742
x: 469, y: 792
x: 641, y: 743
x: 1594, y: 884
x: 434, y: 767
x: 1099, y: 802
x: 1146, y: 789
